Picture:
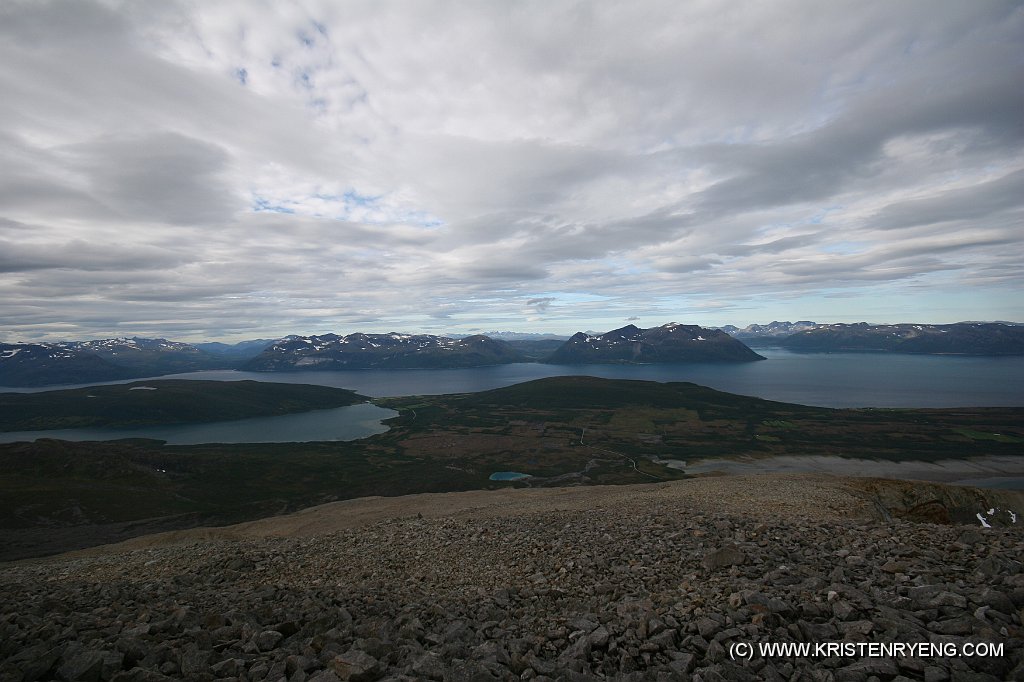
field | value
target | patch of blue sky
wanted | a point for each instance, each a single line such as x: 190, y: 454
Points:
x: 844, y: 248
x: 820, y: 216
x: 422, y: 219
x: 628, y: 266
x: 304, y: 38
x: 264, y: 205
x: 354, y: 198
x: 351, y: 206
x: 242, y: 74
x: 771, y: 230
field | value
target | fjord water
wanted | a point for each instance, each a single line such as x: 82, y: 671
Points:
x: 340, y: 423
x: 822, y: 379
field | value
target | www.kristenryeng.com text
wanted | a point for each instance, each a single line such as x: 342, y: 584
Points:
x: 748, y: 651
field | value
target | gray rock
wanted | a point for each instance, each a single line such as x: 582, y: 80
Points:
x: 723, y: 557
x: 355, y: 666
x: 429, y: 666
x: 140, y: 675
x: 708, y: 627
x: 324, y: 676
x: 599, y: 637
x: 84, y: 666
x: 268, y: 640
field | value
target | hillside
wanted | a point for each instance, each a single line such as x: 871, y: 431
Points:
x: 966, y: 338
x: 562, y: 431
x: 668, y: 343
x: 384, y: 351
x: 159, y: 402
x: 636, y: 583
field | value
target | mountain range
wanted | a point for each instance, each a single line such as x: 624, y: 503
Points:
x: 752, y: 334
x: 384, y: 351
x: 79, y: 362
x: 963, y: 338
x: 76, y: 362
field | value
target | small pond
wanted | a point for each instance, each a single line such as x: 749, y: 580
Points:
x: 508, y: 476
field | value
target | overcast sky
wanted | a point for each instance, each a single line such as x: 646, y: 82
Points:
x: 230, y: 170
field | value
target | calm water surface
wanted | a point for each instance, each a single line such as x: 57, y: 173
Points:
x: 825, y: 379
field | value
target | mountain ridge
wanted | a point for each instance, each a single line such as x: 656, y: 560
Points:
x: 70, y: 362
x: 381, y: 351
x: 668, y: 343
x: 962, y: 338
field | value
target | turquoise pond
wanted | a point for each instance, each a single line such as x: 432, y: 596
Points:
x: 508, y: 476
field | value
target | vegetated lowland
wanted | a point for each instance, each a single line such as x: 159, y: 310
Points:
x: 56, y: 495
x: 164, y: 402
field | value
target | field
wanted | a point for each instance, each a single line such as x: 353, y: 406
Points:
x: 55, y: 495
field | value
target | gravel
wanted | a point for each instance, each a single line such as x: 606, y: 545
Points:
x: 628, y: 583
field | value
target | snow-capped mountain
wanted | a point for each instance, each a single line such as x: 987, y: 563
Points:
x: 772, y: 330
x: 71, y: 362
x: 669, y: 343
x: 967, y: 338
x: 393, y: 350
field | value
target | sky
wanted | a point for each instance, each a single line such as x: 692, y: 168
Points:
x: 235, y: 170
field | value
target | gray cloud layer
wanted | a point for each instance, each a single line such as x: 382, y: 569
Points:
x: 245, y: 169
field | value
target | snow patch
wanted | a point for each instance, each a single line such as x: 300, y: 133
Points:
x: 141, y: 388
x: 984, y: 521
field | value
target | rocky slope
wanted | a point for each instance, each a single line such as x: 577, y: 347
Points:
x: 654, y: 582
x: 365, y: 351
x: 668, y: 343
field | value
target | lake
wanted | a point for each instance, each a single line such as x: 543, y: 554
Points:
x: 340, y: 423
x: 823, y: 379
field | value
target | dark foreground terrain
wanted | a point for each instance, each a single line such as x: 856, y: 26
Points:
x: 652, y: 582
x: 58, y: 495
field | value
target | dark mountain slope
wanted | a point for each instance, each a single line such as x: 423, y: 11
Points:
x: 965, y: 338
x: 669, y: 343
x: 394, y: 350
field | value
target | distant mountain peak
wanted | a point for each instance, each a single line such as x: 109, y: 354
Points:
x: 672, y: 342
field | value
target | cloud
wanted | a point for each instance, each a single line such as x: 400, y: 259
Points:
x: 540, y: 305
x: 968, y: 203
x: 160, y: 177
x: 257, y: 168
